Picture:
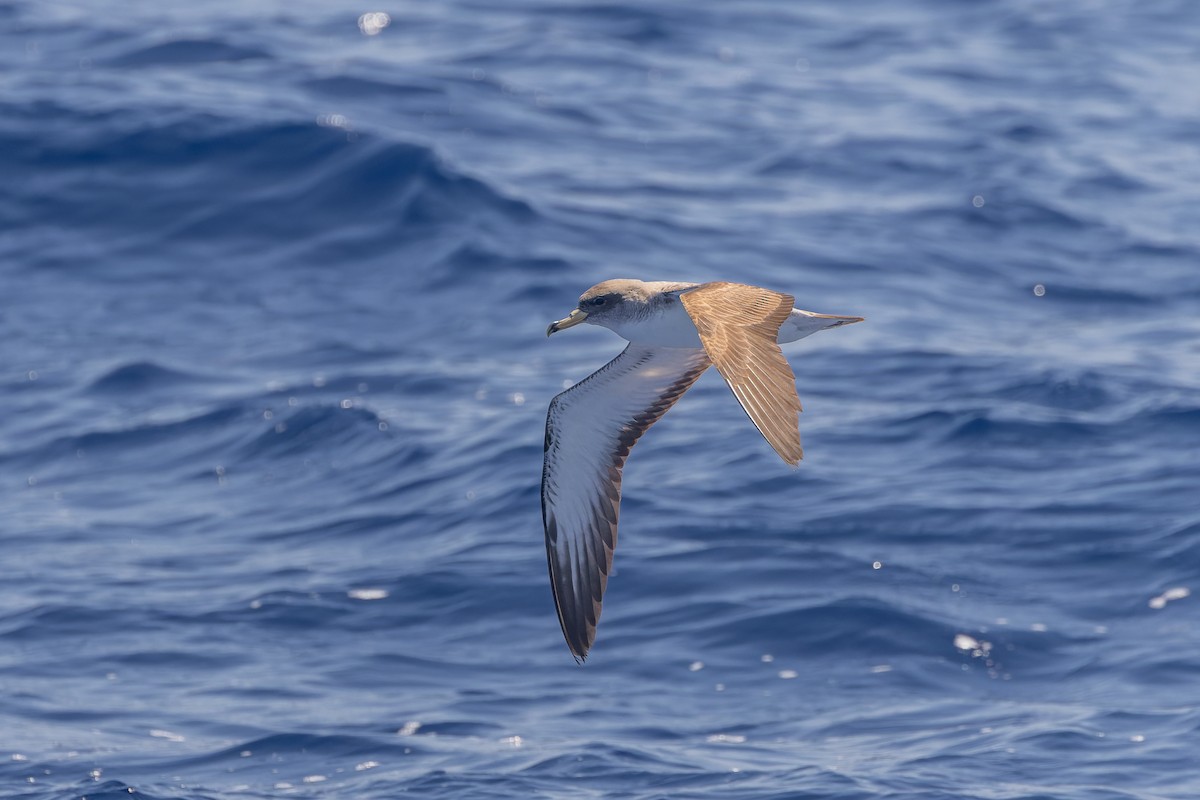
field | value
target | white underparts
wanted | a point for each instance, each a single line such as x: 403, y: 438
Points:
x: 671, y: 327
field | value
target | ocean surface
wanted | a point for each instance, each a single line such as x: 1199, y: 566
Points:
x: 274, y: 281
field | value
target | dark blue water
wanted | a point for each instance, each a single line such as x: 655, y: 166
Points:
x: 273, y: 380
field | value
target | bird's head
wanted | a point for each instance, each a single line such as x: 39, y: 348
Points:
x: 609, y: 303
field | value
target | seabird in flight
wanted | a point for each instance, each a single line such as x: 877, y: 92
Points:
x: 675, y: 331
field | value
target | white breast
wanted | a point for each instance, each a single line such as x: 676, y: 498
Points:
x: 671, y: 327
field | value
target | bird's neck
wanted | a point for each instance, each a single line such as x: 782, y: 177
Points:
x: 666, y: 324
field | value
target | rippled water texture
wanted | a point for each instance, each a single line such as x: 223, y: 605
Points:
x: 275, y: 280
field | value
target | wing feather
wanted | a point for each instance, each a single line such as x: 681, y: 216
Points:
x: 590, y: 429
x: 739, y: 327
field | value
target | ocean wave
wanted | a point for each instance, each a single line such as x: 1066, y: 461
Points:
x: 982, y: 427
x: 141, y: 377
x: 253, y: 754
x: 131, y: 442
x: 118, y: 790
x: 623, y: 21
x: 852, y: 626
x: 251, y: 182
x: 374, y: 89
x: 1085, y: 391
x: 187, y: 52
x: 312, y: 428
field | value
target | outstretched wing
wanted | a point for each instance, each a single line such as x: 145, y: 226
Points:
x: 739, y: 327
x: 590, y: 429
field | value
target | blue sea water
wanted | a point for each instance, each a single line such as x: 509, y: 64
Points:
x: 274, y: 279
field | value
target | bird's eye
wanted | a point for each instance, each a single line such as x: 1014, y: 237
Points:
x: 598, y: 301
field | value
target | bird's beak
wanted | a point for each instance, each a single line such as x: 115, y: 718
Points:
x: 572, y: 319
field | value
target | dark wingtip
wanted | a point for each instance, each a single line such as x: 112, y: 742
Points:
x: 579, y: 649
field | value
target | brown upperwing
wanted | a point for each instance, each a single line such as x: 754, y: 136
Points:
x: 738, y: 326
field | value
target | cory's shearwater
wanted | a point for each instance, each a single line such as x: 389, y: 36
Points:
x: 675, y: 331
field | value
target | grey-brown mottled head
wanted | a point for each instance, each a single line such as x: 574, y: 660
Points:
x: 616, y: 301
